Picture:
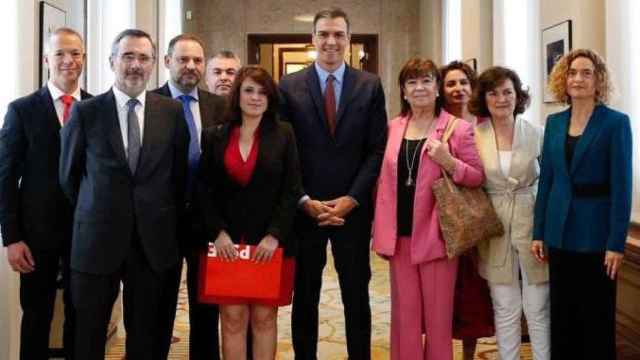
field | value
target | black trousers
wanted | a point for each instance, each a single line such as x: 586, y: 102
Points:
x: 350, y: 249
x: 583, y: 305
x: 37, y: 299
x: 203, y: 318
x: 95, y: 295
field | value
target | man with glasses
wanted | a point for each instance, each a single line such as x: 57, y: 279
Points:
x: 35, y: 217
x: 340, y: 120
x: 123, y: 166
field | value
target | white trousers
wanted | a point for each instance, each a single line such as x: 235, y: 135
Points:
x: 509, y: 301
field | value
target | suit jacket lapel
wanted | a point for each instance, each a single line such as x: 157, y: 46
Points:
x: 316, y: 95
x: 348, y: 83
x: 518, y: 149
x: 151, y: 131
x: 115, y: 133
x: 561, y: 138
x: 267, y: 142
x: 52, y: 116
x: 206, y: 112
x: 589, y: 134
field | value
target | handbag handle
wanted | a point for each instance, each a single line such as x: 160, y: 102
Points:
x: 451, y: 125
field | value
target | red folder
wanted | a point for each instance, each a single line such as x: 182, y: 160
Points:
x: 245, y: 281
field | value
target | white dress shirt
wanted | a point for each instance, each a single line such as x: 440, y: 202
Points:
x: 194, y: 105
x: 56, y: 96
x: 123, y: 109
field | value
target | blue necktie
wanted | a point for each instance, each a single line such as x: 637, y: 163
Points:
x: 194, y: 147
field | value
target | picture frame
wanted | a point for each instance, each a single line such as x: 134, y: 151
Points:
x: 556, y: 42
x: 472, y: 62
x: 51, y: 18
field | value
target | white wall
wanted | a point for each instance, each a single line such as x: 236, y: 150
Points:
x: 477, y: 39
x: 588, y: 28
x: 623, y: 58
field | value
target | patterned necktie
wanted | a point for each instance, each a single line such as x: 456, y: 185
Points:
x: 133, y: 136
x: 330, y: 105
x: 67, y: 100
x: 194, y: 147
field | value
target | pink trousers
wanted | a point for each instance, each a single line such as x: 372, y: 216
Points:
x: 421, y: 302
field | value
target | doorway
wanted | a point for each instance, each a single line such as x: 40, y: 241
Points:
x: 282, y: 54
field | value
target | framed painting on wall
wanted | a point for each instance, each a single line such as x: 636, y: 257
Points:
x: 556, y: 42
x: 51, y: 18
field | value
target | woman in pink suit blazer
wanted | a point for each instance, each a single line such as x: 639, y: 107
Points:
x: 406, y: 228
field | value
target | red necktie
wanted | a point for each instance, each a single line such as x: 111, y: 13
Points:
x: 67, y: 100
x: 330, y: 105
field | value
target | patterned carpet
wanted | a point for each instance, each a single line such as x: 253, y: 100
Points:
x: 332, y: 336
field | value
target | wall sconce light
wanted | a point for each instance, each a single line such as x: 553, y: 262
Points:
x: 312, y: 53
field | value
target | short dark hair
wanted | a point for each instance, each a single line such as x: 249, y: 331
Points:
x: 414, y: 68
x: 136, y: 33
x: 260, y: 76
x: 183, y: 37
x: 224, y: 54
x: 331, y: 13
x: 458, y: 65
x: 491, y: 79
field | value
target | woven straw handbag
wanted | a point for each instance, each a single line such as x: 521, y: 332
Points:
x: 466, y: 215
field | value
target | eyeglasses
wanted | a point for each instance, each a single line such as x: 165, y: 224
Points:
x: 141, y: 58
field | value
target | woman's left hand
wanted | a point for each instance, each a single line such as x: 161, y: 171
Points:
x: 265, y: 249
x: 439, y: 152
x: 612, y: 261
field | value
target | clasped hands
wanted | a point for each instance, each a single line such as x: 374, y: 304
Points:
x: 330, y: 212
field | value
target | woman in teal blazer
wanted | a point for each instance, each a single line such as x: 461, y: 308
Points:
x: 583, y: 207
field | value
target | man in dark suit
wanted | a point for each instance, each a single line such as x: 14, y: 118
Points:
x: 340, y: 122
x: 123, y: 165
x: 185, y: 62
x: 35, y: 217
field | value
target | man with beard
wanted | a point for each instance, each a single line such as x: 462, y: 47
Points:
x: 123, y: 165
x: 35, y: 217
x: 185, y: 62
x: 221, y: 72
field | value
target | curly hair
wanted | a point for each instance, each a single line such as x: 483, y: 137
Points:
x: 414, y: 68
x: 491, y: 79
x: 558, y: 79
x: 458, y: 65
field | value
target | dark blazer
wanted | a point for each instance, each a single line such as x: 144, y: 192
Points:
x: 111, y: 202
x: 348, y: 164
x: 191, y: 224
x: 267, y: 205
x: 33, y: 208
x: 567, y: 220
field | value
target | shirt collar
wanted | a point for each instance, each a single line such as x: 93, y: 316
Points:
x: 57, y: 93
x: 122, y: 98
x: 175, y: 92
x: 323, y: 74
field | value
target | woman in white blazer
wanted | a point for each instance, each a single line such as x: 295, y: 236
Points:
x: 510, y: 147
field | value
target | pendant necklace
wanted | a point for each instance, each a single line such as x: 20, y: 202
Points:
x: 410, y: 182
x: 410, y: 164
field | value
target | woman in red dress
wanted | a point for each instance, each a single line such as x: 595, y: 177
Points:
x: 249, y: 180
x: 472, y: 313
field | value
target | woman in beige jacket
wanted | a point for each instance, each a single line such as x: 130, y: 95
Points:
x: 510, y: 147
